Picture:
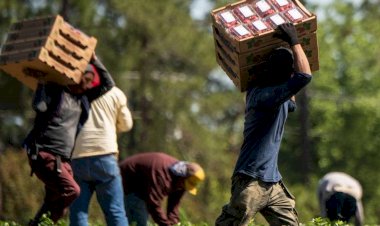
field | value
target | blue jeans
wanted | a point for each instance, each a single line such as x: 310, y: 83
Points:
x: 100, y: 174
x: 136, y: 210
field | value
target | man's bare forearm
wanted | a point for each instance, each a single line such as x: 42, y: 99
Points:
x: 301, y: 63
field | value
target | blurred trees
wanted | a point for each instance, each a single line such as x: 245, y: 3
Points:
x: 162, y: 60
x: 345, y: 97
x: 183, y: 104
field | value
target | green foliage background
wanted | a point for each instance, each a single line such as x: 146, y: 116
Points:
x: 184, y: 105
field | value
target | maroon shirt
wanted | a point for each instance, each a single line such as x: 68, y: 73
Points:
x: 148, y: 176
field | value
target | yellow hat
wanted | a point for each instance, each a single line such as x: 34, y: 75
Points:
x: 196, y: 175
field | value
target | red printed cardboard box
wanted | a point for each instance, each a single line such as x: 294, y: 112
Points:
x: 308, y: 42
x: 240, y: 44
x: 48, y: 49
x: 241, y: 68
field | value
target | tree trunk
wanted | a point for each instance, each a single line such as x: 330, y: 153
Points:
x: 305, y: 141
x: 64, y: 9
x: 1, y: 195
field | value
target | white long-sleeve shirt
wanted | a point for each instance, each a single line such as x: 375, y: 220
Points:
x: 340, y: 182
x: 108, y: 116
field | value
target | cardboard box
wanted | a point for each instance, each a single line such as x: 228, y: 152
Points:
x: 47, y: 21
x: 30, y: 66
x: 70, y: 54
x: 52, y: 26
x: 306, y: 26
x: 264, y: 39
x: 243, y: 77
x: 259, y: 55
x: 46, y: 48
x: 238, y: 57
x: 241, y: 67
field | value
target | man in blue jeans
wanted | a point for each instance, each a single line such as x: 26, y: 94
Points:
x: 256, y: 182
x: 95, y: 163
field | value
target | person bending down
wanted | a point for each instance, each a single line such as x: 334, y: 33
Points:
x: 150, y: 177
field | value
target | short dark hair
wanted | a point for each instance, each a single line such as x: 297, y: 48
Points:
x: 278, y: 67
x: 341, y: 206
x: 281, y: 62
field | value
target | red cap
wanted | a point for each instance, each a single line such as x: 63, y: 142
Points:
x: 91, y: 69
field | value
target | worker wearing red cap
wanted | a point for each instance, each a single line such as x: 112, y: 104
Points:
x: 148, y: 178
x: 61, y: 112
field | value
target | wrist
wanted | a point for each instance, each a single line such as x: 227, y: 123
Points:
x: 294, y: 42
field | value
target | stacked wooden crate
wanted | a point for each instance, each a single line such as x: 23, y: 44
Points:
x: 47, y: 49
x: 244, y: 35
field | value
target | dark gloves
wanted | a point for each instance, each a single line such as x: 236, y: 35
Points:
x: 288, y: 33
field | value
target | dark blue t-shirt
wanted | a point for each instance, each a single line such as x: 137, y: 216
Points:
x: 265, y: 116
